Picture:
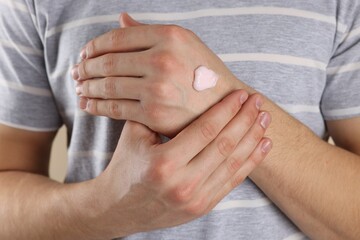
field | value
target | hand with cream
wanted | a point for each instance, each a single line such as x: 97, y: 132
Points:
x: 162, y: 76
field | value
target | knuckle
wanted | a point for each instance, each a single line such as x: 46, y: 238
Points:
x: 247, y: 120
x: 237, y: 180
x: 91, y: 48
x: 154, y: 112
x: 255, y: 137
x: 108, y: 64
x: 114, y: 110
x: 258, y: 95
x: 234, y: 164
x: 208, y: 130
x: 189, y: 33
x: 181, y: 194
x: 162, y: 90
x: 161, y: 169
x: 116, y: 36
x: 83, y: 69
x: 164, y: 61
x: 235, y: 107
x: 92, y: 107
x: 86, y: 89
x: 258, y: 134
x: 197, y: 207
x: 226, y: 146
x: 256, y: 159
x: 109, y: 88
x: 172, y: 32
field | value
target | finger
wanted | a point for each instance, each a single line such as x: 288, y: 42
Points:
x: 204, y: 130
x: 126, y: 20
x: 111, y: 88
x: 198, y: 170
x: 219, y: 190
x: 126, y: 39
x: 116, y: 109
x: 245, y: 124
x: 245, y: 150
x: 111, y: 65
x: 250, y: 141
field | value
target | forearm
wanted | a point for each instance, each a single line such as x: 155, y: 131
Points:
x: 34, y: 207
x: 314, y: 183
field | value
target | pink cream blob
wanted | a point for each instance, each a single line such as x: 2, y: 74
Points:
x: 205, y: 78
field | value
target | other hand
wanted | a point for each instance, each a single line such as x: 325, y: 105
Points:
x: 144, y: 73
x: 149, y: 185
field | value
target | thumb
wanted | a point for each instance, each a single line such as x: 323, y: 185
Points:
x: 127, y: 162
x: 126, y: 21
x: 136, y: 134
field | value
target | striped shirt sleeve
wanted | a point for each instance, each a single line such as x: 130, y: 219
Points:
x: 341, y: 97
x: 26, y: 99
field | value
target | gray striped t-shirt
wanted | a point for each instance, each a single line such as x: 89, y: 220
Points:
x: 304, y: 55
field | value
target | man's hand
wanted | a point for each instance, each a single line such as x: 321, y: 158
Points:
x: 145, y: 73
x: 149, y: 185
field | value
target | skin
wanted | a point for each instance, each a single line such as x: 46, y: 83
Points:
x: 314, y: 183
x: 169, y: 186
x: 149, y: 85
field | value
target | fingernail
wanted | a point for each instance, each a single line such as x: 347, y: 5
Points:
x: 78, y: 89
x: 83, y: 103
x: 259, y: 103
x: 266, y: 146
x: 83, y: 54
x: 243, y: 97
x: 75, y: 72
x: 264, y: 120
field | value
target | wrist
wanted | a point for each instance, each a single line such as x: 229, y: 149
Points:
x: 106, y: 209
x: 87, y: 209
x: 229, y: 83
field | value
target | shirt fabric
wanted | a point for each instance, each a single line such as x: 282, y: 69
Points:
x: 304, y: 55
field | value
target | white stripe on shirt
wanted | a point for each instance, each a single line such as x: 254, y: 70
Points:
x: 26, y: 89
x: 296, y: 236
x: 70, y: 113
x: 353, y: 33
x: 252, y: 203
x: 213, y: 12
x: 91, y: 154
x: 27, y: 128
x: 21, y: 48
x: 295, y: 108
x: 15, y: 5
x: 81, y: 22
x: 274, y: 58
x: 341, y: 112
x: 343, y: 69
x: 290, y: 108
x: 245, y: 57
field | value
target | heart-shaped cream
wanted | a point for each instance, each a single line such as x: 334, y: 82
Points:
x: 205, y: 78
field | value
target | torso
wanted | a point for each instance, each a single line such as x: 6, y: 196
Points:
x: 280, y: 48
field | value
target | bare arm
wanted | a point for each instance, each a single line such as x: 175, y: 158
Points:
x: 33, y: 206
x: 313, y: 182
x: 346, y: 134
